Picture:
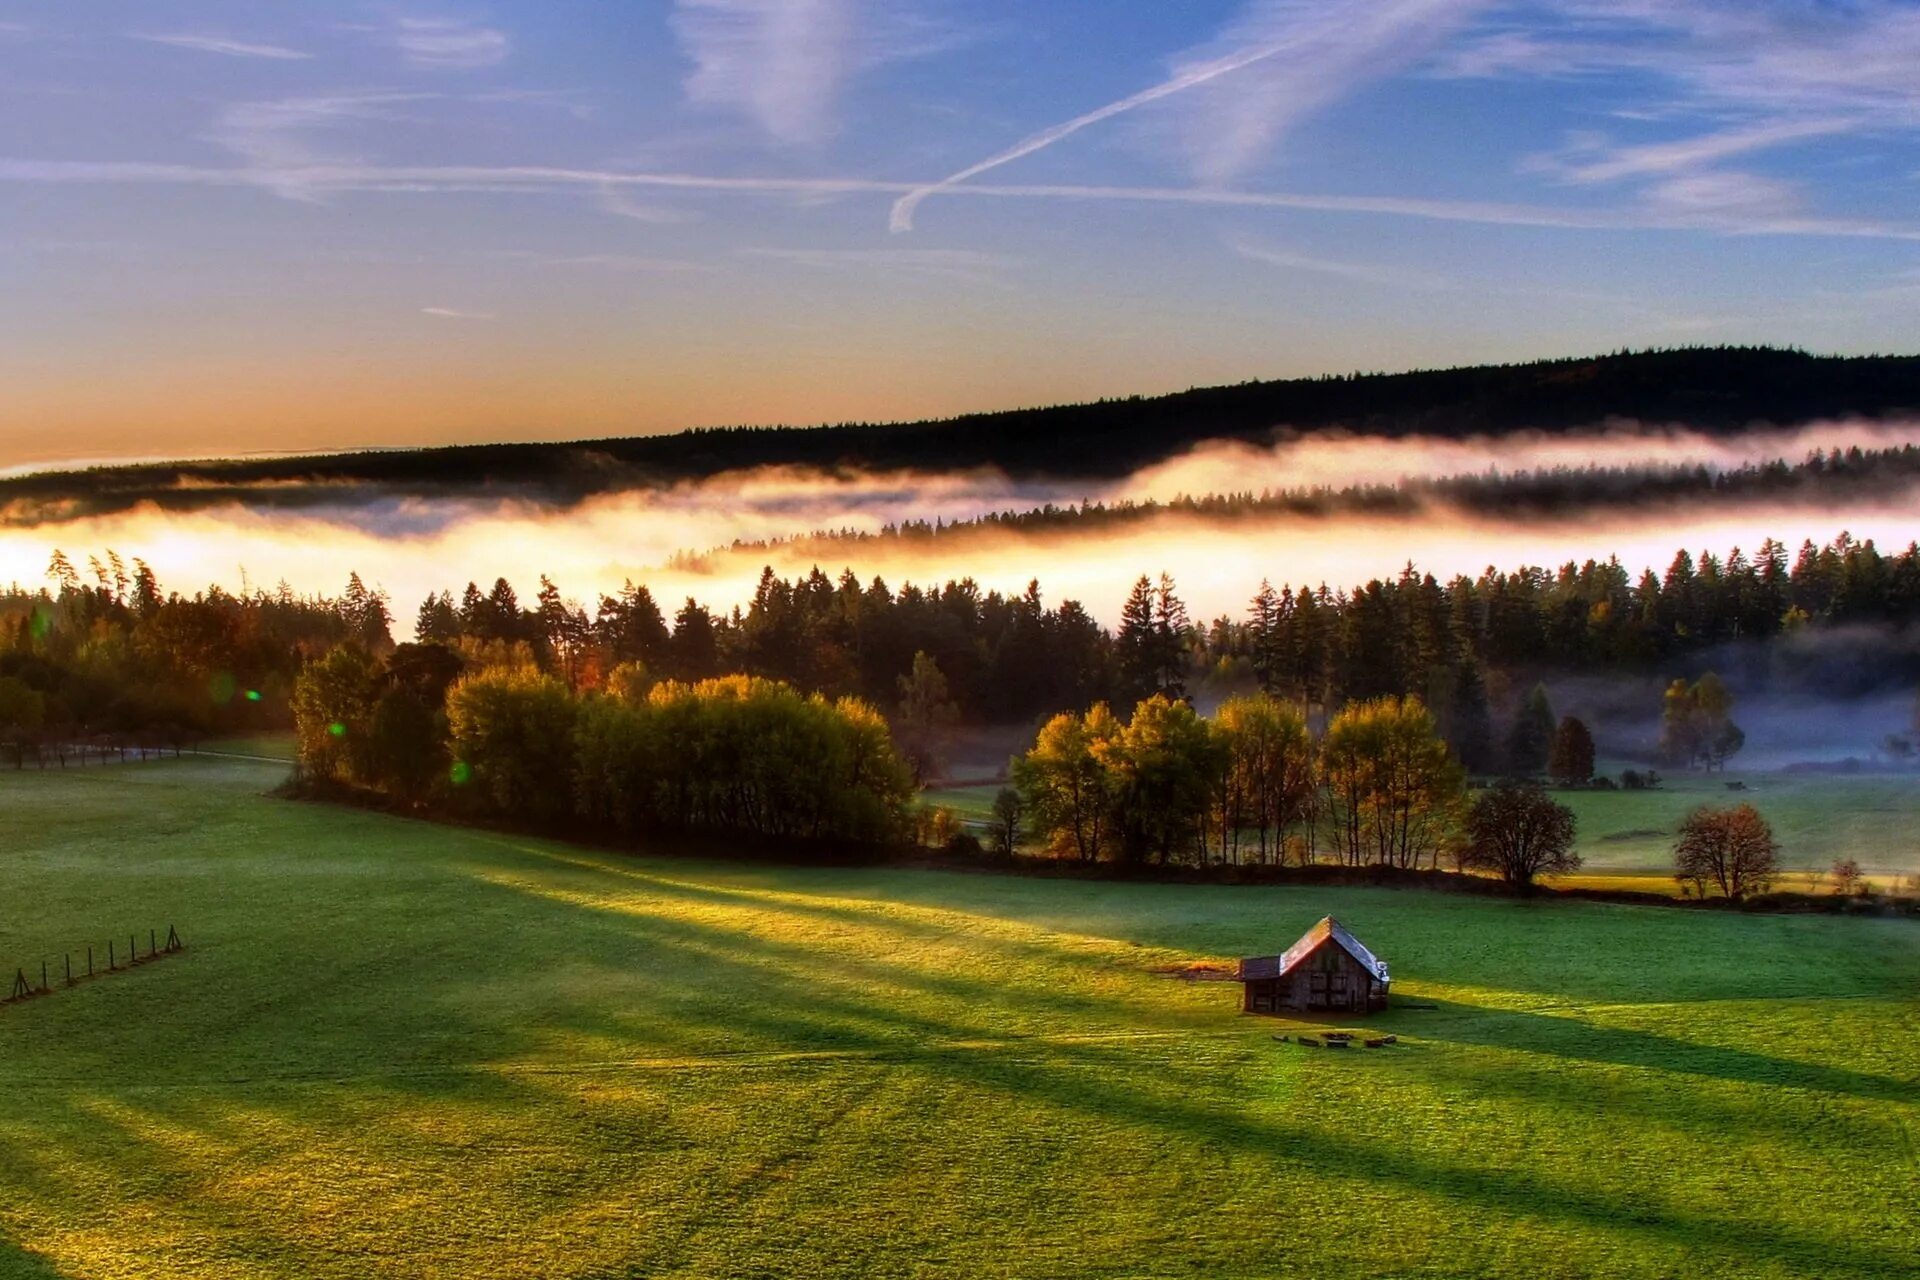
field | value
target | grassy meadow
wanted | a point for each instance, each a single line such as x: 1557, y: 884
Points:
x: 1626, y: 837
x: 399, y: 1049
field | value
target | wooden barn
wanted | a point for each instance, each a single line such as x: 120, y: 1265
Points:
x: 1328, y: 968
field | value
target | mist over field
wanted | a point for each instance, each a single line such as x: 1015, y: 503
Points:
x: 681, y: 539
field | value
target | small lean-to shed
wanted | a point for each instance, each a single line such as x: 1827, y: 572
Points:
x: 1328, y: 968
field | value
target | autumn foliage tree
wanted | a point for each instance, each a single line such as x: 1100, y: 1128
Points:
x: 1731, y: 849
x: 1519, y: 832
x: 1395, y: 794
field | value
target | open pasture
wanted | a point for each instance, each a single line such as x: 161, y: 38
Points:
x: 1626, y: 837
x: 395, y: 1048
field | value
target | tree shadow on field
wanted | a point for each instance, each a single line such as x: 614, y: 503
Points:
x: 17, y: 1262
x: 731, y: 979
x: 1103, y: 1082
x: 1578, y: 1040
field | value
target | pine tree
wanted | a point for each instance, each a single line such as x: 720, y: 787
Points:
x: 1570, y: 762
x: 1472, y: 720
x: 1263, y: 636
x: 1531, y: 737
x: 1134, y: 644
x: 1169, y: 646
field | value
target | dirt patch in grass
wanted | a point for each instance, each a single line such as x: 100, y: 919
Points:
x: 1204, y: 971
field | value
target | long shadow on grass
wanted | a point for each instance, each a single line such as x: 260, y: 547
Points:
x: 1075, y: 1077
x: 701, y: 983
x: 1578, y: 1040
x: 23, y: 1263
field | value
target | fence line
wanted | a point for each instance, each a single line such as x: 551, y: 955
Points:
x: 117, y: 962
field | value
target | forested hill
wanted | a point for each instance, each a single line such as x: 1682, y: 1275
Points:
x: 1711, y: 389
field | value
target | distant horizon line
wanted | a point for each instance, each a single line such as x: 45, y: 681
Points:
x: 54, y: 467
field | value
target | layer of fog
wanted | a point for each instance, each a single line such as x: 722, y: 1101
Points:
x: 413, y: 546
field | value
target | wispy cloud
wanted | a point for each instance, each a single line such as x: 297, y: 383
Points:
x: 965, y: 265
x: 784, y: 63
x: 224, y: 46
x: 450, y: 44
x: 633, y: 262
x: 621, y: 204
x: 1682, y: 154
x: 541, y: 178
x: 277, y: 139
x: 1277, y: 62
x: 1361, y: 272
x: 1745, y: 77
x: 1324, y: 50
x: 455, y: 313
x: 781, y: 62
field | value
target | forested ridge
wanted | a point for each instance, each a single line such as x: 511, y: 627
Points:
x: 108, y: 650
x: 1722, y: 389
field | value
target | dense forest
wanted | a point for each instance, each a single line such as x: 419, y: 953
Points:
x: 106, y: 651
x: 1830, y: 479
x: 1708, y: 389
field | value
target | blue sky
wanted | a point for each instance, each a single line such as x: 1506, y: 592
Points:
x: 229, y: 226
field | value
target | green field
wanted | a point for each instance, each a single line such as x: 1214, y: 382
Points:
x: 398, y: 1049
x: 1626, y: 837
x: 267, y: 744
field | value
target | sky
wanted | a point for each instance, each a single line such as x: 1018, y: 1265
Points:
x: 233, y: 227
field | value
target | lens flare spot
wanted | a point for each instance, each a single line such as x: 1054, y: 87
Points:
x: 222, y: 687
x: 461, y: 773
x: 337, y: 729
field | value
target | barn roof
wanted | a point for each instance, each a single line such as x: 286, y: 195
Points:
x: 1256, y: 968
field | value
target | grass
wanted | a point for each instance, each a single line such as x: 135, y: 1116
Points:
x: 394, y: 1048
x: 268, y: 744
x: 1626, y: 837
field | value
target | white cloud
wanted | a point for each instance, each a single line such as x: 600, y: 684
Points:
x: 1730, y: 77
x: 277, y: 139
x: 541, y: 178
x: 1685, y: 154
x: 450, y: 44
x: 225, y: 46
x: 1277, y: 62
x: 454, y: 313
x: 785, y: 63
x: 781, y: 62
x: 1322, y: 51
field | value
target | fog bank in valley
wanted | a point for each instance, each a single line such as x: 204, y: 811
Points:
x: 679, y: 539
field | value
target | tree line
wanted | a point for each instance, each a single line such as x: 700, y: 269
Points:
x: 737, y: 754
x: 106, y: 650
x: 103, y: 656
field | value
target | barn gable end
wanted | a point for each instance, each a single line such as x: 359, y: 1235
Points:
x: 1327, y: 968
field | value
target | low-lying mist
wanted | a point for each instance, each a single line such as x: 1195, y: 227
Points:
x: 680, y: 539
